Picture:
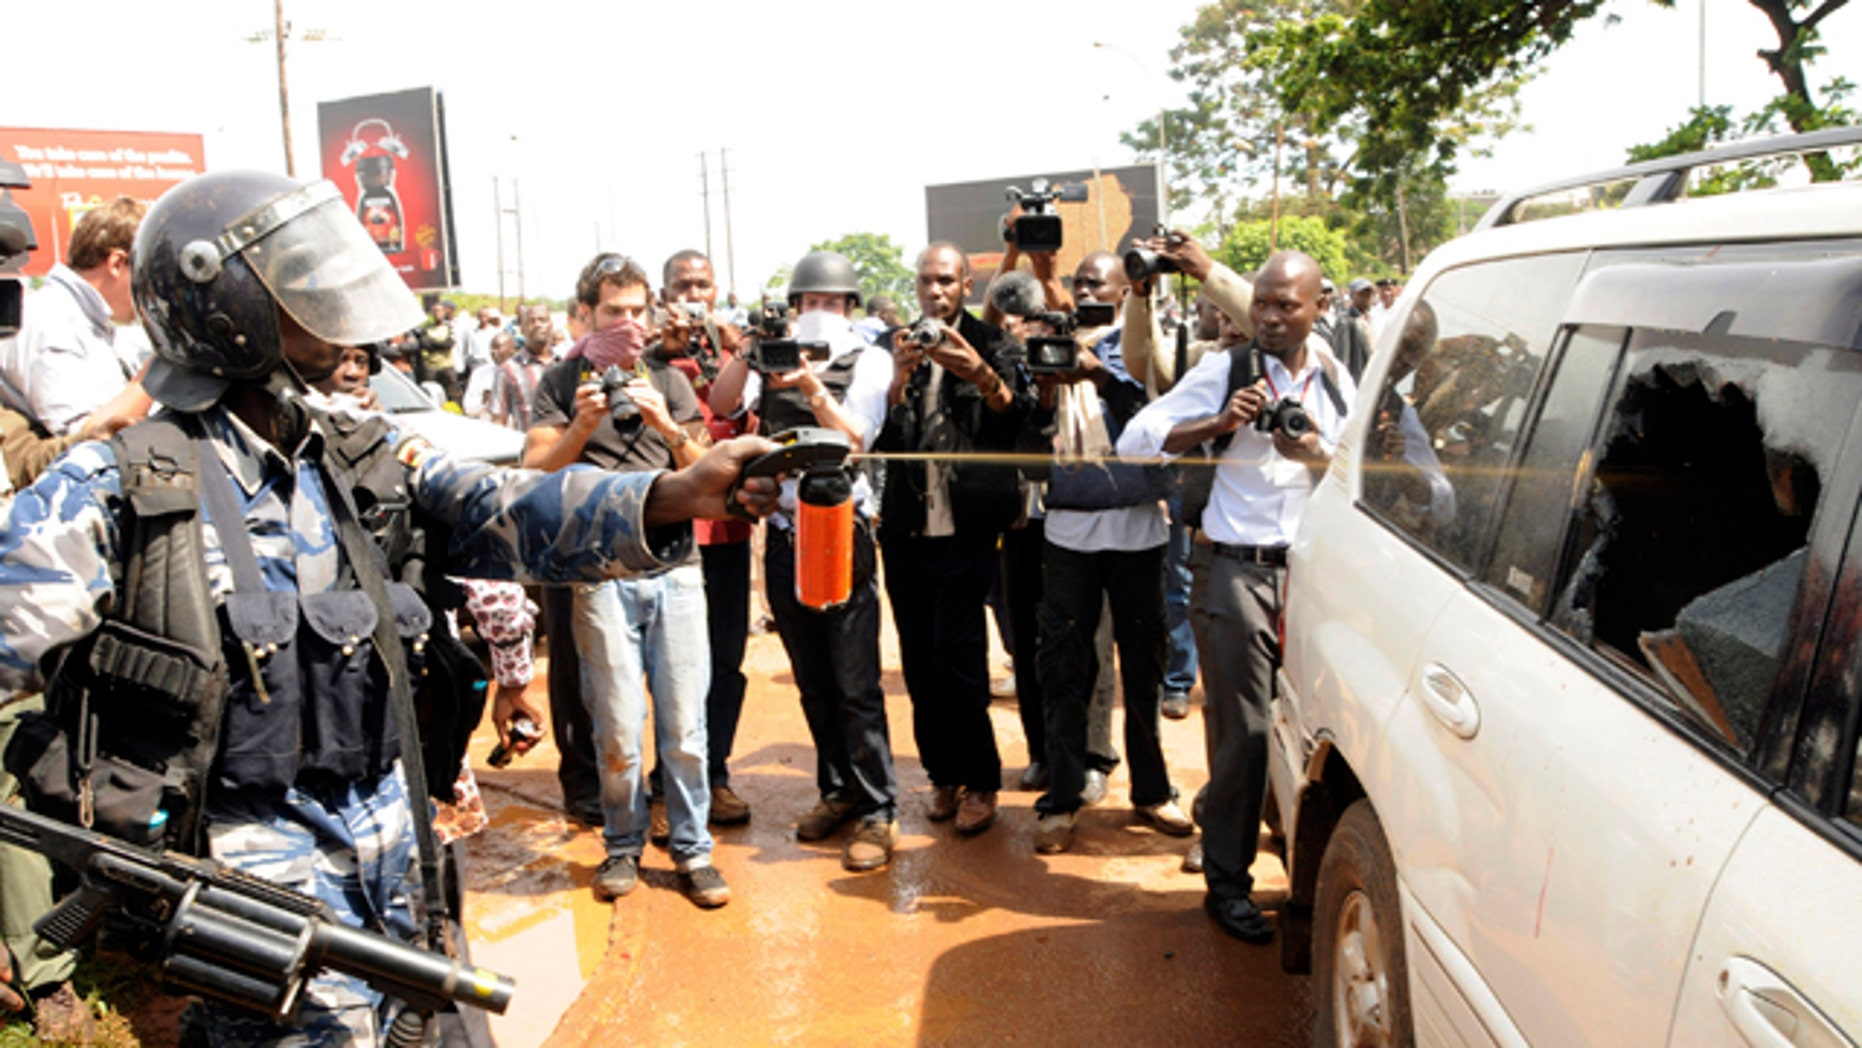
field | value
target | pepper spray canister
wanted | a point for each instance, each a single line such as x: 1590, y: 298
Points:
x: 824, y: 538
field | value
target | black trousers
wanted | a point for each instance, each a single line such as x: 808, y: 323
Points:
x: 570, y: 722
x: 727, y: 607
x: 938, y: 588
x: 1022, y: 550
x: 1234, y: 608
x: 1076, y: 589
x: 834, y: 656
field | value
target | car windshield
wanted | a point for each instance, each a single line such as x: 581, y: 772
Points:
x: 398, y: 393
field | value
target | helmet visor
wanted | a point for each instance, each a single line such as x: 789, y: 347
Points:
x: 319, y: 263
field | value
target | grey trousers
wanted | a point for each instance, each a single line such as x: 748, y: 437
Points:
x: 1234, y: 608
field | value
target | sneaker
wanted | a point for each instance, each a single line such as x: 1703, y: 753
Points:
x: 616, y: 877
x: 1052, y: 833
x: 1193, y: 859
x: 705, y: 886
x: 1095, y: 789
x: 1035, y: 778
x: 1240, y: 918
x: 62, y: 1017
x: 976, y: 812
x: 728, y: 809
x: 944, y: 801
x: 659, y: 828
x: 871, y: 845
x: 823, y: 819
x: 1168, y: 819
x: 1176, y: 705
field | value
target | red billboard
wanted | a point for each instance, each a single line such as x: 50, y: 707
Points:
x: 388, y: 155
x: 75, y: 171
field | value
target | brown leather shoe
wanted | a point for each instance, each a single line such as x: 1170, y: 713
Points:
x: 728, y: 809
x: 977, y: 811
x: 871, y: 845
x: 944, y: 803
x: 62, y: 1017
x: 820, y: 822
x: 659, y: 828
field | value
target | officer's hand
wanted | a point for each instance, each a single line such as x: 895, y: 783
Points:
x: 590, y: 404
x: 1243, y: 407
x: 699, y: 490
x: 509, y: 704
x: 652, y: 404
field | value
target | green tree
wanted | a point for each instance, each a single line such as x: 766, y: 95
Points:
x: 1401, y: 69
x: 1250, y: 243
x: 879, y: 262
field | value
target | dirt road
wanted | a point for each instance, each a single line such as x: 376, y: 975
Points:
x: 961, y: 941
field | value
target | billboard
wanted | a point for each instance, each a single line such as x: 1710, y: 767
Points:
x: 1121, y: 203
x: 388, y: 155
x: 75, y: 171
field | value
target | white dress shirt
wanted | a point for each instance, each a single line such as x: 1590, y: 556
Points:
x: 67, y: 359
x: 864, y: 403
x: 1258, y: 494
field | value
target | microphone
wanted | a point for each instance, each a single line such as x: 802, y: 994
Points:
x: 1018, y: 294
x: 14, y: 239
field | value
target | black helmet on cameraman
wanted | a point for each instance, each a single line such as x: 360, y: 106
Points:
x: 825, y: 273
x: 219, y: 255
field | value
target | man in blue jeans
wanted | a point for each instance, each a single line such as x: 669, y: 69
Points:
x: 626, y: 630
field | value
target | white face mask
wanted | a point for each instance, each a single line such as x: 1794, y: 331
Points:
x: 822, y: 326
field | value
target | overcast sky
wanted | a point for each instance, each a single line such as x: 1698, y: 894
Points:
x: 836, y: 114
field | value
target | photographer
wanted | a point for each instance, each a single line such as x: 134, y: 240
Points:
x: 609, y: 405
x: 833, y: 653
x: 1104, y: 541
x: 1261, y: 483
x: 940, y: 523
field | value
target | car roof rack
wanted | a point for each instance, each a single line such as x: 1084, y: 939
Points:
x: 1664, y: 179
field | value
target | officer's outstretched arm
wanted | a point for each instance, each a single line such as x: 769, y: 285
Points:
x: 707, y: 487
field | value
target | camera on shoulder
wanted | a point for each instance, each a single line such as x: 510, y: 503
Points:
x: 1037, y: 228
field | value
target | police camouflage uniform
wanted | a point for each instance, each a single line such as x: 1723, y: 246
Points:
x: 348, y: 843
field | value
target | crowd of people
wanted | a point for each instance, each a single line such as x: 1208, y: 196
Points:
x: 1118, y: 550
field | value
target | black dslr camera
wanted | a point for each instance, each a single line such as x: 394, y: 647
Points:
x: 774, y: 352
x: 1286, y: 415
x: 16, y: 242
x: 1058, y: 351
x: 1037, y: 228
x: 621, y: 406
x: 1142, y: 263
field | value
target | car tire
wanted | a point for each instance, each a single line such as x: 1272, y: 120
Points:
x: 1360, y: 973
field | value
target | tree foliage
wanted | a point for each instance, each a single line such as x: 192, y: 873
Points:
x: 1250, y: 243
x: 879, y: 262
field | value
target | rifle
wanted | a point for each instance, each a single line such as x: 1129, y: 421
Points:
x: 225, y: 934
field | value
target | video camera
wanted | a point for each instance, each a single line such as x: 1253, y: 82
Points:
x: 16, y: 242
x: 1037, y: 228
x: 1058, y: 351
x: 1141, y: 263
x: 774, y: 352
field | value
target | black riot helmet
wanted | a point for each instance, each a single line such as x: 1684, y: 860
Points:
x: 823, y: 272
x: 217, y: 256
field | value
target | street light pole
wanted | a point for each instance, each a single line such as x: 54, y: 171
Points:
x: 284, y: 94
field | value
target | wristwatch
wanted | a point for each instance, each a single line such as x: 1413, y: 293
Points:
x: 678, y: 440
x: 815, y: 400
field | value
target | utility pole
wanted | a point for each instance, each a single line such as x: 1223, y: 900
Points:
x: 704, y: 191
x: 730, y: 248
x: 1273, y: 229
x: 497, y: 204
x: 517, y: 209
x: 284, y: 93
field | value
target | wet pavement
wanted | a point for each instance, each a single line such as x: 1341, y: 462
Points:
x: 961, y: 941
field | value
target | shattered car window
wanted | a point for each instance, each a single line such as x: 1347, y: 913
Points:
x: 1689, y: 543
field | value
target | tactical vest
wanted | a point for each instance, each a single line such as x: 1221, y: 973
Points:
x: 176, y: 694
x: 784, y: 409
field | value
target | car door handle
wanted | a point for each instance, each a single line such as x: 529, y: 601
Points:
x: 1449, y: 701
x: 1768, y: 1011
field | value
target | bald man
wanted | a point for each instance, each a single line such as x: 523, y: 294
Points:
x: 1238, y: 560
x: 940, y: 521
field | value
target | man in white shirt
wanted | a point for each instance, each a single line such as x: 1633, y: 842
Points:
x: 68, y: 358
x: 1261, y: 485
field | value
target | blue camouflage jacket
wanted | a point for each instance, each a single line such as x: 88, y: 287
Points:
x: 61, y: 555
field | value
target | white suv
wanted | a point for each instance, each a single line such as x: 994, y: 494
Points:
x: 1565, y: 749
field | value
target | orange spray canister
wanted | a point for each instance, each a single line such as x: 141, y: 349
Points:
x: 824, y: 538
